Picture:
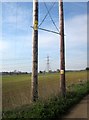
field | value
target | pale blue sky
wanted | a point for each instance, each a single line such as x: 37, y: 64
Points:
x: 16, y: 43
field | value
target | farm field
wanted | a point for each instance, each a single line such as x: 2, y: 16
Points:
x: 16, y: 89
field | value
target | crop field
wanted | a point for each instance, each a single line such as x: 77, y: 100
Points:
x: 16, y: 89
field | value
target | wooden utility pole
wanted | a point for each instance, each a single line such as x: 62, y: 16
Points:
x: 62, y: 50
x: 34, y: 81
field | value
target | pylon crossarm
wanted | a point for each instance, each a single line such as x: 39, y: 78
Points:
x: 47, y: 30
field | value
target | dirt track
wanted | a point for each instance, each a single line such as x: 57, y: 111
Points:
x: 80, y: 110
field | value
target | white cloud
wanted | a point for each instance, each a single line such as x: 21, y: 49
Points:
x: 76, y: 42
x: 76, y: 34
x: 3, y: 45
x: 14, y: 14
x: 76, y: 29
x: 15, y: 42
x: 47, y: 40
x: 43, y: 1
x: 76, y: 39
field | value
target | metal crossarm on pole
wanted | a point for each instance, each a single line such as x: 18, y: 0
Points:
x: 47, y: 30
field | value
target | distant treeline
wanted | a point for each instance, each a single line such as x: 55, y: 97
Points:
x: 50, y: 71
x: 12, y: 73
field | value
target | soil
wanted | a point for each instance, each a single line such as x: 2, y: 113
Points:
x: 80, y: 110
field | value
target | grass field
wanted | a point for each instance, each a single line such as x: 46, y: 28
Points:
x: 17, y: 88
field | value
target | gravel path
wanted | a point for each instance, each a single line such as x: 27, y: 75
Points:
x: 81, y: 110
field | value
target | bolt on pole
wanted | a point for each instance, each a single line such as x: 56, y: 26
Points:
x: 34, y: 80
x: 62, y: 50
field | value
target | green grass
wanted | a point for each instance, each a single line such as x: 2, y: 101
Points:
x: 54, y: 107
x: 17, y: 88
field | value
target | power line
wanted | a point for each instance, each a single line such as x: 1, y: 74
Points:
x: 46, y: 15
x: 7, y: 64
x: 15, y: 67
x: 14, y: 59
x: 51, y: 17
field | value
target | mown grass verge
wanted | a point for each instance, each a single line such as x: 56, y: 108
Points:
x: 54, y: 107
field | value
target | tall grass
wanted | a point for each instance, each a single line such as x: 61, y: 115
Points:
x: 54, y: 107
x: 16, y: 88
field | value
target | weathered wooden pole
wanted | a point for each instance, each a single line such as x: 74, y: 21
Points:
x: 62, y: 50
x: 34, y: 81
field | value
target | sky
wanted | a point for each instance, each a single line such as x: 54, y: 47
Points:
x: 16, y: 36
